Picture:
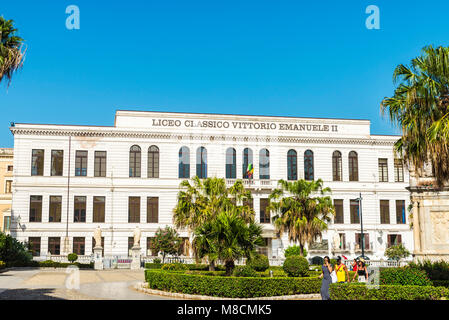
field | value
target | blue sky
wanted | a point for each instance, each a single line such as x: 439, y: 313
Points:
x: 292, y: 58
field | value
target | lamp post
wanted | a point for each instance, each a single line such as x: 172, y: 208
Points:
x: 361, y: 224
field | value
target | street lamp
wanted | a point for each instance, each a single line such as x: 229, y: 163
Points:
x: 359, y: 199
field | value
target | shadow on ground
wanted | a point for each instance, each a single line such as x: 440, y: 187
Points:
x: 29, y: 294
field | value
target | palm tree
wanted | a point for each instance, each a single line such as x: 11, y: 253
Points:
x: 205, y: 198
x: 420, y: 108
x: 303, y: 216
x: 229, y: 237
x: 201, y: 201
x: 11, y: 53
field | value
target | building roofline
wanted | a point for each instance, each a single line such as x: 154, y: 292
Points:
x: 232, y: 114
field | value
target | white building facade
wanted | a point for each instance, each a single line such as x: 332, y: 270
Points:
x: 68, y: 180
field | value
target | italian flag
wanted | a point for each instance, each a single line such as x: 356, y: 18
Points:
x: 250, y: 170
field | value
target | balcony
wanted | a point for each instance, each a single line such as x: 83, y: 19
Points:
x: 368, y: 247
x: 255, y: 183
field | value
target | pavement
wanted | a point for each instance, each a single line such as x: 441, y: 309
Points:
x: 63, y: 284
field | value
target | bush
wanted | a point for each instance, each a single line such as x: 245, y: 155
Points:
x: 72, y: 257
x: 13, y: 252
x: 349, y: 291
x: 333, y: 262
x: 152, y: 265
x: 440, y: 283
x: 404, y: 276
x: 435, y: 270
x: 2, y: 265
x: 174, y: 267
x: 295, y: 266
x: 55, y: 264
x: 259, y: 262
x: 157, y: 261
x: 230, y: 287
x: 397, y: 252
x: 294, y: 251
x: 317, y: 260
x: 244, y: 271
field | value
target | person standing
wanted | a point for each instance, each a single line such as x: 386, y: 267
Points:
x: 362, y: 272
x: 342, y: 271
x: 354, y: 265
x: 326, y: 270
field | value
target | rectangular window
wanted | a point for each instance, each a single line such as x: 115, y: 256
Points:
x: 358, y: 241
x: 150, y: 251
x: 400, y: 211
x: 134, y: 209
x: 394, y: 239
x: 130, y: 244
x: 10, y: 168
x: 81, y: 163
x: 34, y: 244
x: 6, y: 223
x: 100, y: 164
x: 342, y: 237
x: 57, y: 159
x: 354, y: 210
x: 37, y: 162
x: 383, y: 170
x: 79, y: 245
x: 35, y: 208
x: 384, y: 211
x: 8, y: 186
x: 55, y: 209
x: 152, y: 210
x: 398, y: 170
x: 99, y: 209
x: 79, y: 214
x: 54, y: 245
x: 264, y: 213
x: 339, y: 215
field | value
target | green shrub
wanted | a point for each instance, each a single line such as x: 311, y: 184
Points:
x: 174, y: 266
x: 333, y: 262
x: 230, y: 287
x: 317, y: 260
x: 157, y: 260
x: 440, y: 283
x: 2, y: 265
x: 277, y: 272
x: 55, y: 264
x: 13, y: 252
x: 360, y: 291
x: 294, y: 251
x: 296, y: 266
x: 244, y: 271
x: 72, y: 257
x: 405, y: 276
x: 438, y: 270
x: 259, y: 262
x: 151, y: 265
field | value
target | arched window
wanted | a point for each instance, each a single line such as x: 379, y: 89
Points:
x: 336, y: 166
x: 264, y: 164
x: 353, y: 166
x: 153, y: 162
x: 292, y: 165
x: 308, y: 165
x: 134, y: 161
x: 231, y: 163
x: 201, y: 163
x: 184, y: 163
x: 247, y: 165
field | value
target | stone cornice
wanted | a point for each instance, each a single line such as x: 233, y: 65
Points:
x: 112, y: 132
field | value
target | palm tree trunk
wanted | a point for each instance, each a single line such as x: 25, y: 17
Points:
x: 301, y: 248
x: 229, y: 267
x: 212, y: 265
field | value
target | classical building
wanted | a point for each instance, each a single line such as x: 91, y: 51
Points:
x: 69, y: 179
x: 6, y: 179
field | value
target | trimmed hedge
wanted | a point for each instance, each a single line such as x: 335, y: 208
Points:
x: 404, y: 276
x: 230, y: 287
x: 189, y: 266
x: 296, y: 266
x: 259, y: 262
x: 245, y: 271
x: 54, y: 264
x: 360, y: 291
x: 441, y: 283
x: 2, y: 265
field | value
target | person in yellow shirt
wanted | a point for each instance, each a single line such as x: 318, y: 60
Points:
x: 342, y: 271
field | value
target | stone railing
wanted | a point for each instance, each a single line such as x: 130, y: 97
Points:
x: 63, y: 259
